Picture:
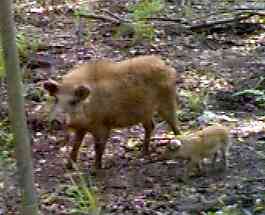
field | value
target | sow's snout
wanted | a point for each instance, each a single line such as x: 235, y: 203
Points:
x: 57, y: 117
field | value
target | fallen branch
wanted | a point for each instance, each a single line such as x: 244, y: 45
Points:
x: 200, y: 206
x: 165, y: 19
x: 261, y: 179
x: 250, y: 9
x: 206, y: 205
x: 114, y: 15
x: 116, y: 19
x: 238, y: 17
x: 100, y: 17
x: 196, y: 27
x: 229, y: 11
x: 252, y: 13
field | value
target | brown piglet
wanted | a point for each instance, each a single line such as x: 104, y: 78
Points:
x: 205, y: 143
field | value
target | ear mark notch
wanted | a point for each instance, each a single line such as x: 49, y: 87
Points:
x: 51, y: 86
x: 82, y: 92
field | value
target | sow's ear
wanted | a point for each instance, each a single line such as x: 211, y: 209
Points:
x: 51, y: 86
x: 81, y: 92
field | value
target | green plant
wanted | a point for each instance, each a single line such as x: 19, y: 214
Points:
x: 34, y: 93
x: 7, y: 144
x: 194, y: 104
x: 83, y: 196
x: 25, y: 46
x: 249, y: 92
x: 83, y: 9
x: 1, y: 63
x: 227, y: 210
x: 142, y: 10
x: 257, y: 95
x: 195, y: 101
x: 187, y: 10
x: 41, y: 2
x: 146, y: 8
x: 144, y: 30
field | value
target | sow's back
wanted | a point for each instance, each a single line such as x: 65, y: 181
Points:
x: 102, y: 95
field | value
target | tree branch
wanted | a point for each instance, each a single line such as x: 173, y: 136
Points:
x: 100, y: 17
x: 238, y: 17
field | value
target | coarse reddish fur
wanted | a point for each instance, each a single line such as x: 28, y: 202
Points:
x: 116, y: 95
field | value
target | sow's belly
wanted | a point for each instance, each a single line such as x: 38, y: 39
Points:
x: 125, y: 119
x: 113, y: 120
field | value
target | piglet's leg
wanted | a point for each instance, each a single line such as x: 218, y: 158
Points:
x: 194, y: 167
x: 214, y: 160
x: 224, y: 158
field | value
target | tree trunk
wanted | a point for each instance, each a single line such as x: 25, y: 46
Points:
x: 16, y: 109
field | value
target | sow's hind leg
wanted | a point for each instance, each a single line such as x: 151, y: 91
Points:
x: 148, y: 127
x: 168, y: 113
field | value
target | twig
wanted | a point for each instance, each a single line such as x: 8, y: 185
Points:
x: 250, y: 9
x: 160, y: 138
x: 118, y: 20
x: 114, y: 15
x: 100, y: 17
x: 253, y: 13
x: 166, y: 19
x: 205, y: 205
x: 228, y: 11
x: 262, y: 179
x: 200, y: 206
x: 238, y: 17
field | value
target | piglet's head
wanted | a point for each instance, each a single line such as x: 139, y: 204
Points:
x: 67, y: 97
x: 172, y: 150
x: 174, y: 145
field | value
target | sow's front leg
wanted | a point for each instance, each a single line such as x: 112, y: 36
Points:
x: 79, y: 136
x: 100, y: 137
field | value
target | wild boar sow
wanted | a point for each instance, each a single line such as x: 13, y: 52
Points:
x: 102, y: 95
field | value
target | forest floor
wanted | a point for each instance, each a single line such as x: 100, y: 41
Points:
x: 219, y: 64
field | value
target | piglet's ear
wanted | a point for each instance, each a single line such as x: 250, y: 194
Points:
x: 82, y: 92
x: 51, y: 86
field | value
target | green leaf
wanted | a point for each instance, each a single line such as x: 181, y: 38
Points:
x: 250, y: 92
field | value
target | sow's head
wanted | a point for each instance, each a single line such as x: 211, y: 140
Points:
x: 67, y: 96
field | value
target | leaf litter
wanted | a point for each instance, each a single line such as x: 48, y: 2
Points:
x: 129, y: 184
